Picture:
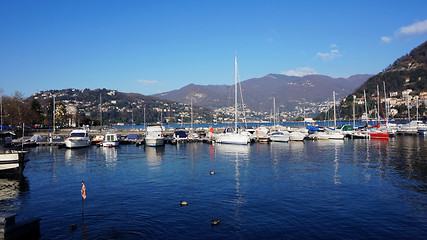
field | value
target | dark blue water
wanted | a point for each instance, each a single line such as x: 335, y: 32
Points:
x: 352, y: 189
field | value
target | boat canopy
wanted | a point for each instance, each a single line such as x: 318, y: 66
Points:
x: 180, y: 134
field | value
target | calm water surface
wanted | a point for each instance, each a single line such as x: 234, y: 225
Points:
x: 352, y: 189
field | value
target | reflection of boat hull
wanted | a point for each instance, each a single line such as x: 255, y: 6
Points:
x: 12, y: 161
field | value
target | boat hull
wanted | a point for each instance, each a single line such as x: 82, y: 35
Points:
x: 378, y: 135
x: 233, y: 138
x: 279, y: 137
x: 296, y: 136
x: 77, y: 143
x: 110, y: 144
x: 154, y: 142
x: 12, y: 162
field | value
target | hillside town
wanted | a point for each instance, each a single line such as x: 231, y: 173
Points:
x: 71, y: 109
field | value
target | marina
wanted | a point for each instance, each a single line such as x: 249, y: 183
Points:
x: 351, y: 188
x: 130, y: 120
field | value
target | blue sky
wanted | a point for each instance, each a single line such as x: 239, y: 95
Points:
x: 149, y: 47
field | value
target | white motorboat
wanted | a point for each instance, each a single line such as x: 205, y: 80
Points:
x: 110, y: 140
x: 230, y: 136
x: 411, y: 127
x: 12, y: 161
x: 336, y: 135
x: 261, y: 134
x: 78, y: 138
x: 279, y: 136
x: 154, y: 136
x: 320, y: 135
x: 297, y: 136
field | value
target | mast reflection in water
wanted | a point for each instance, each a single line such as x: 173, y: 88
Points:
x: 351, y: 189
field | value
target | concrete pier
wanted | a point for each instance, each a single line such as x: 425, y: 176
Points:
x: 26, y: 229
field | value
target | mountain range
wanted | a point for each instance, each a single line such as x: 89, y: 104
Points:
x: 259, y: 92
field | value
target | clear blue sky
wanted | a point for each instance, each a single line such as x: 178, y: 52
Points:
x: 149, y: 47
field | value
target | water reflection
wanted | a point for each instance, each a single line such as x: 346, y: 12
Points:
x: 11, y: 187
x: 337, y: 144
x: 76, y: 155
x: 237, y: 154
x: 232, y: 150
x: 154, y: 155
x: 110, y: 156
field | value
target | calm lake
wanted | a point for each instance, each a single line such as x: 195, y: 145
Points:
x: 351, y: 189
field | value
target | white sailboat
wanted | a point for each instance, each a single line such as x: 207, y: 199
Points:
x: 334, y: 133
x: 234, y: 136
x: 277, y: 134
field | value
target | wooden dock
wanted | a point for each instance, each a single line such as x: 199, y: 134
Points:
x: 51, y: 144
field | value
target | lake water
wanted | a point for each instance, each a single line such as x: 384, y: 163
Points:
x: 351, y: 189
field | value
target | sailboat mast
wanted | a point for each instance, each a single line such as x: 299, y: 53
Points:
x: 366, y: 107
x: 274, y: 110
x: 144, y: 117
x: 417, y: 108
x: 335, y: 117
x: 54, y: 113
x: 378, y: 104
x: 191, y: 104
x: 386, y: 105
x: 354, y: 111
x: 235, y: 93
x: 100, y: 110
x: 409, y: 111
